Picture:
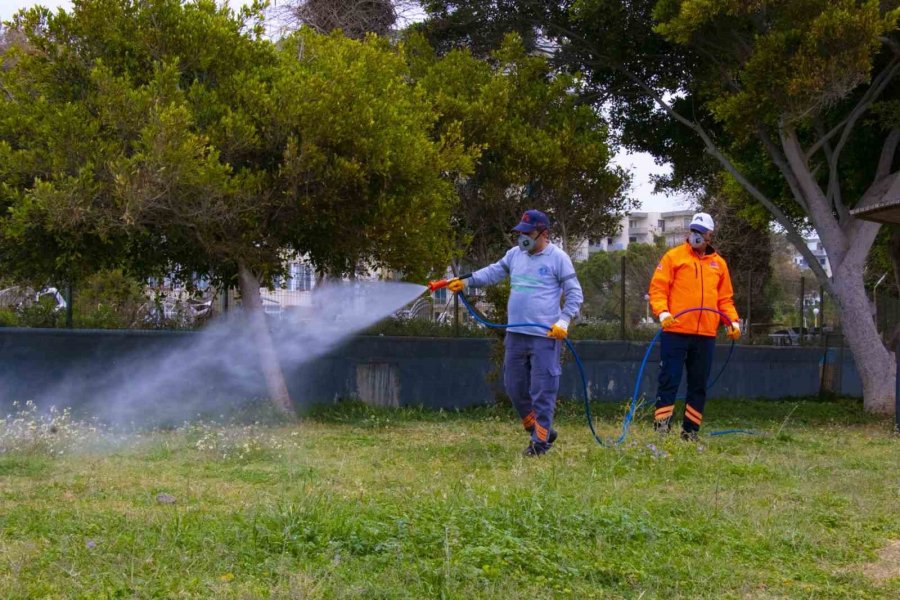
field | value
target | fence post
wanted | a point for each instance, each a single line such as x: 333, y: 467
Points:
x: 897, y: 390
x: 455, y: 315
x: 749, y: 306
x: 622, y: 332
x: 802, y: 307
x: 822, y: 306
x: 69, y: 307
x: 225, y: 300
x: 824, y: 365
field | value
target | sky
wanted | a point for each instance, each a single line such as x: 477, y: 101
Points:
x: 641, y: 165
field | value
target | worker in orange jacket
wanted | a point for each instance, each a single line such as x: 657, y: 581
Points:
x: 690, y: 275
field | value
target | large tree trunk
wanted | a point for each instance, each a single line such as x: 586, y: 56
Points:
x: 256, y: 319
x: 875, y: 364
x: 847, y: 241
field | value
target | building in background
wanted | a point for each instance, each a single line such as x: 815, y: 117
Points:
x: 640, y: 228
x: 815, y: 245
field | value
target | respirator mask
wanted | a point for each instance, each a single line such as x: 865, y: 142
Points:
x: 526, y: 243
x: 696, y: 240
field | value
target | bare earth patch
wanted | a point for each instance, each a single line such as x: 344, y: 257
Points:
x: 888, y: 564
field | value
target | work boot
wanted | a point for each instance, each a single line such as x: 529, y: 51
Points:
x: 689, y: 436
x: 535, y: 449
x: 661, y: 426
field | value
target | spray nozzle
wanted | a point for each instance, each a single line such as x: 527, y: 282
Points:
x: 434, y: 286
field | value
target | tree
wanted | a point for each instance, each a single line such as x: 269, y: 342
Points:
x: 788, y: 97
x: 354, y: 18
x: 601, y: 279
x: 170, y: 137
x: 538, y: 146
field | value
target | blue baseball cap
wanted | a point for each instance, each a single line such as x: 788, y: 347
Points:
x: 531, y: 220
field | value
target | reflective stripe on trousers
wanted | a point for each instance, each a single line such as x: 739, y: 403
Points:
x: 531, y: 373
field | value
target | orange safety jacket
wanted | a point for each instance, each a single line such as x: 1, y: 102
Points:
x: 683, y: 280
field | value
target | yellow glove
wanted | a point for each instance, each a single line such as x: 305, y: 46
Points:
x: 667, y: 320
x: 456, y: 285
x: 560, y: 330
x: 734, y: 332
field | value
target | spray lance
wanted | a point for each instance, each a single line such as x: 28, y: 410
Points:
x: 437, y: 284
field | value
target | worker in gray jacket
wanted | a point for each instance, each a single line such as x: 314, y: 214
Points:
x: 540, y: 276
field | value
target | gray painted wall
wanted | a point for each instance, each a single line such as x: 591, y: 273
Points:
x: 58, y: 366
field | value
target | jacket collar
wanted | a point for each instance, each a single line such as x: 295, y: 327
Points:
x: 710, y: 251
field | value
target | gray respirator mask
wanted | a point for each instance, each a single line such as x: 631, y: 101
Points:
x: 527, y: 243
x: 696, y: 240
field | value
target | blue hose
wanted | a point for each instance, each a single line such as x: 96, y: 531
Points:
x: 635, y: 403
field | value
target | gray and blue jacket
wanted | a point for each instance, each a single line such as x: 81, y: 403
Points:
x: 537, y: 282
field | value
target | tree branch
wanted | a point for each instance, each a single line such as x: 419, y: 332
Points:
x: 820, y: 210
x: 846, y: 126
x: 780, y: 217
x: 872, y: 94
x: 834, y: 196
x: 781, y: 162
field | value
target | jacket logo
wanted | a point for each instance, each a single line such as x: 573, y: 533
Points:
x: 713, y: 265
x: 659, y: 267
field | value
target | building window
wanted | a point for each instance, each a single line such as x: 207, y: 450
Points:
x: 686, y: 223
x: 661, y: 224
x: 300, y: 278
x: 632, y: 239
x: 632, y: 223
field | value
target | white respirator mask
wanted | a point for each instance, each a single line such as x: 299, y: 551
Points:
x: 527, y: 243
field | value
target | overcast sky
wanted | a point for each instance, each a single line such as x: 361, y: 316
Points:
x: 641, y: 165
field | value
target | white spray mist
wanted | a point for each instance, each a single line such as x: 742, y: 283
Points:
x: 213, y: 371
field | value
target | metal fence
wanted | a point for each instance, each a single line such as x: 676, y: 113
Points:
x: 616, y: 306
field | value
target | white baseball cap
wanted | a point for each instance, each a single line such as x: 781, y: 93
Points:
x: 702, y: 222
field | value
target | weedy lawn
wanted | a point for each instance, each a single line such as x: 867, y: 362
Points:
x: 363, y: 503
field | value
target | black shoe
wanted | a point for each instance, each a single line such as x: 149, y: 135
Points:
x: 661, y: 426
x: 689, y: 436
x: 535, y: 449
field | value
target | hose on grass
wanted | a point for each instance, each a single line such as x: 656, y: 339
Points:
x: 636, y: 402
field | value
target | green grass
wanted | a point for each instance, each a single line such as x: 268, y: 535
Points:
x: 363, y: 503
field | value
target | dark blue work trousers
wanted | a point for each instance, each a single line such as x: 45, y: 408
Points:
x: 680, y: 351
x: 531, y: 373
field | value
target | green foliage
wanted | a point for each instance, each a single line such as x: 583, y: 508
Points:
x: 8, y: 318
x: 806, y: 57
x: 601, y: 279
x: 412, y: 503
x: 41, y: 313
x: 162, y: 136
x: 424, y: 328
x: 109, y: 300
x: 537, y: 145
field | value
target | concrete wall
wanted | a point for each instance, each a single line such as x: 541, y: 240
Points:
x: 59, y: 366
